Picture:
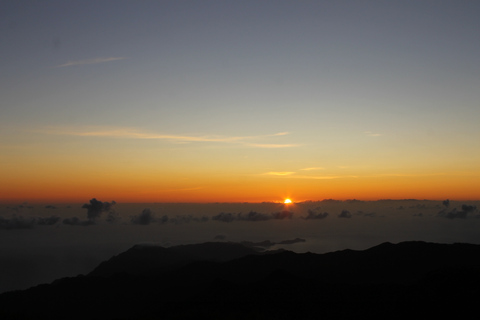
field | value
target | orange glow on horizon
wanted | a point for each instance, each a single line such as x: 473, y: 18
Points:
x: 39, y: 185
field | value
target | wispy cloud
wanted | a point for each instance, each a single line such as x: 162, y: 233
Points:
x: 293, y: 175
x: 133, y: 133
x: 432, y: 174
x: 277, y: 173
x: 326, y: 177
x: 312, y: 168
x: 89, y: 61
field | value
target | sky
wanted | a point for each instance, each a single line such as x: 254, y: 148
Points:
x: 238, y: 101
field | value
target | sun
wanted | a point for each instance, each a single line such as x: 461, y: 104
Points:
x: 287, y: 201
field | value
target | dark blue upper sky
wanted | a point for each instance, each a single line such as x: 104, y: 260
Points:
x: 379, y: 87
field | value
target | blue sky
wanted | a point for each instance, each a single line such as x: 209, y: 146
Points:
x: 381, y: 87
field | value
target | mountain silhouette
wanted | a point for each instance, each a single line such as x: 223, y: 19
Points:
x: 145, y: 259
x: 234, y: 281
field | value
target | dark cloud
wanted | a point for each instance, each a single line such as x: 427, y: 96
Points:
x: 252, y: 216
x: 49, y: 221
x: 454, y: 214
x: 19, y: 208
x: 202, y: 219
x: 458, y: 214
x: 16, y: 223
x: 163, y: 219
x: 112, y: 217
x: 19, y: 222
x: 446, y: 203
x: 467, y: 208
x: 75, y: 221
x: 331, y: 201
x: 225, y: 217
x: 263, y: 244
x: 345, y: 214
x: 94, y: 211
x: 268, y: 243
x: 418, y: 206
x: 285, y: 214
x: 144, y: 218
x: 367, y: 214
x: 50, y: 207
x: 96, y: 208
x: 354, y: 201
x: 315, y: 214
x: 181, y: 219
x: 220, y: 237
x: 147, y: 217
x: 292, y: 241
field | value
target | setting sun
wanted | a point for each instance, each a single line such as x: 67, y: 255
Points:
x: 287, y: 201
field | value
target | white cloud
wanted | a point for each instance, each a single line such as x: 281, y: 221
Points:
x: 133, y: 133
x: 89, y: 61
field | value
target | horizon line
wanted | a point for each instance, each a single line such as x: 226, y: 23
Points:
x: 26, y: 202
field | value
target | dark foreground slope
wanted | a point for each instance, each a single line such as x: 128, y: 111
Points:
x: 231, y: 281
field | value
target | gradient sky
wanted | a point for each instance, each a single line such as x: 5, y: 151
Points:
x: 162, y: 101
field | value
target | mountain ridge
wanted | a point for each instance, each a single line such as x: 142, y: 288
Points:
x: 141, y: 259
x: 200, y: 279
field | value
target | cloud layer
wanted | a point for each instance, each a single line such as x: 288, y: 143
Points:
x: 252, y: 216
x: 99, y: 211
x: 19, y: 222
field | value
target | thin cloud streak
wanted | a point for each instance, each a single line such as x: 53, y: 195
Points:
x: 89, y: 61
x: 325, y: 177
x: 275, y: 173
x: 293, y: 175
x: 409, y: 174
x: 132, y: 133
